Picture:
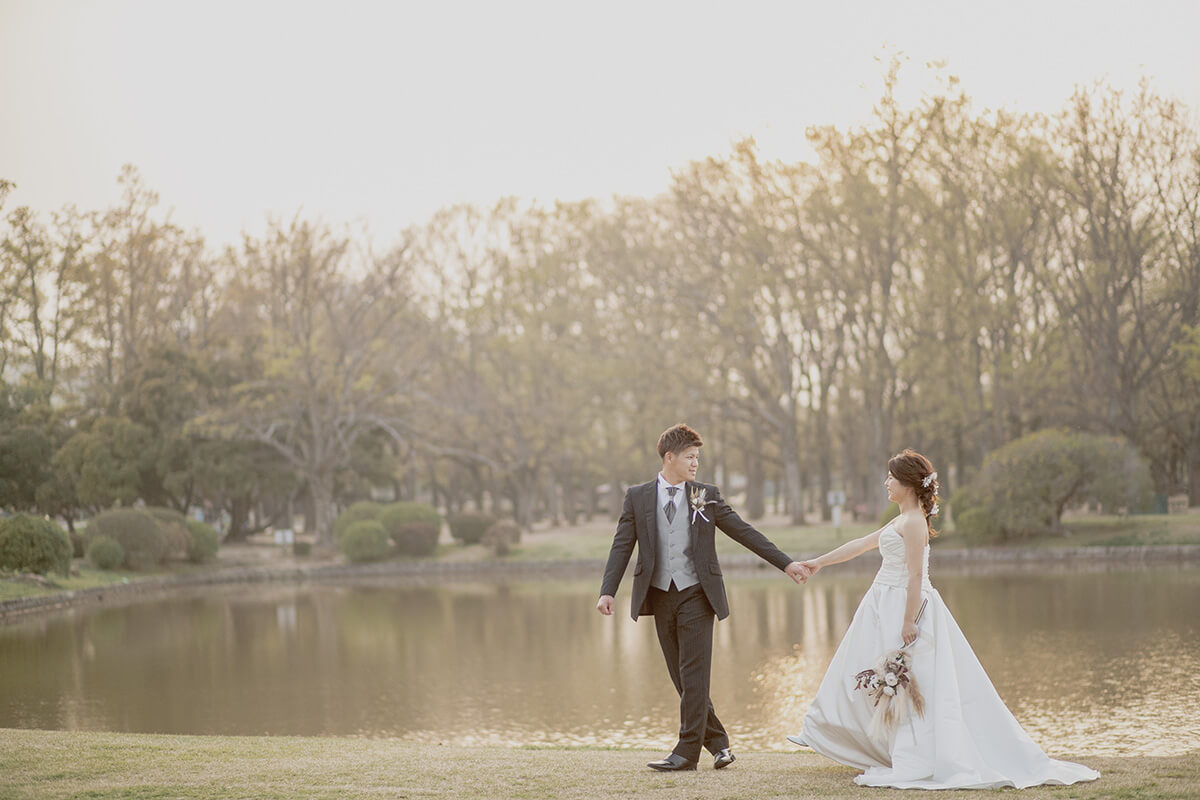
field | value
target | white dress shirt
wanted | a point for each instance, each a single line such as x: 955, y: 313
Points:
x: 664, y: 496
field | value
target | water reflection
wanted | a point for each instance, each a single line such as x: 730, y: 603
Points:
x: 1093, y: 663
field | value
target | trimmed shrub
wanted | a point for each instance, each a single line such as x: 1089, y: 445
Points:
x: 175, y: 529
x: 502, y: 536
x: 1023, y: 487
x: 396, y: 514
x: 365, y: 540
x: 416, y: 538
x: 203, y: 542
x: 414, y: 527
x: 139, y: 534
x: 301, y: 549
x: 469, y: 527
x: 106, y: 553
x: 890, y: 513
x: 362, y: 511
x: 164, y: 514
x: 34, y: 544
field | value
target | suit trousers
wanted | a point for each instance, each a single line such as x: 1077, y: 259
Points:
x: 684, y: 621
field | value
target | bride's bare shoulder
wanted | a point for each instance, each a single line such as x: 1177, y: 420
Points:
x: 912, y: 526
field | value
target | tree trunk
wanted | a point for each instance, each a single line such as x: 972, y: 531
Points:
x: 239, y: 513
x: 554, y: 492
x: 824, y: 453
x: 435, y: 493
x: 570, y: 502
x: 877, y: 453
x: 525, y: 494
x: 1194, y: 475
x: 756, y: 504
x: 793, y: 480
x: 616, y: 499
x: 321, y: 487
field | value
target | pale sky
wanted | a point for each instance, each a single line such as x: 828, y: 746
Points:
x: 383, y: 112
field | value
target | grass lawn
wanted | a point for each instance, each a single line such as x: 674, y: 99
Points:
x: 88, y: 577
x: 46, y: 765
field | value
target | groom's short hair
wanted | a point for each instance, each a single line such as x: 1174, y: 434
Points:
x: 676, y: 438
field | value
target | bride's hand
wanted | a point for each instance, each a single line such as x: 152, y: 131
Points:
x: 810, y: 567
x: 909, y: 632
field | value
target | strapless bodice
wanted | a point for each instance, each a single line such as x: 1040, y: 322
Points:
x: 894, y: 570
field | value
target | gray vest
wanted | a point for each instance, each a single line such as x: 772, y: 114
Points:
x: 673, y: 561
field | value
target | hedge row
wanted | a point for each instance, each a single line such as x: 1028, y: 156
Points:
x: 147, y: 537
x: 372, y: 531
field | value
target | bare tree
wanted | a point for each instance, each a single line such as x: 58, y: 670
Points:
x: 341, y: 347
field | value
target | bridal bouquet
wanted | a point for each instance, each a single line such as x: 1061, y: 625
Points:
x: 893, y: 690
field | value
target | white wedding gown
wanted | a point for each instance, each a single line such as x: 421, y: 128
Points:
x: 967, y: 739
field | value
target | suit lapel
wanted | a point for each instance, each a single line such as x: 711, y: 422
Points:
x: 650, y: 512
x: 691, y: 518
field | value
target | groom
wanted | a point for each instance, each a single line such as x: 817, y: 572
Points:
x: 678, y: 581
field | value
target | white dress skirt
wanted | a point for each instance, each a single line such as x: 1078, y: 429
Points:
x: 967, y: 738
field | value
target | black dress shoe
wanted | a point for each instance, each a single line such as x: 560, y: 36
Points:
x: 723, y: 758
x: 672, y: 763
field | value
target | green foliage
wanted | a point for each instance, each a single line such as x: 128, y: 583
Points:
x: 302, y: 549
x: 104, y: 462
x: 25, y: 454
x: 34, y: 544
x: 106, y: 553
x: 139, y: 534
x: 56, y: 495
x: 396, y: 514
x: 166, y: 515
x: 889, y: 513
x: 362, y: 511
x: 416, y: 538
x: 161, y: 393
x: 469, y: 527
x: 501, y: 536
x: 298, y: 389
x: 414, y: 527
x: 174, y: 527
x: 1024, y: 487
x: 203, y: 541
x: 364, y: 540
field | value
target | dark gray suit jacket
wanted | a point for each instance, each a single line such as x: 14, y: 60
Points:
x: 639, y: 524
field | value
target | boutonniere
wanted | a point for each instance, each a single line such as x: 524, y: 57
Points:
x: 698, y: 499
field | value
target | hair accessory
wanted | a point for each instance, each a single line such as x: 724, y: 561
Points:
x: 933, y: 512
x: 930, y: 478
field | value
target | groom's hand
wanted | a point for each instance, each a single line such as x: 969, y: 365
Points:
x: 796, y: 572
x: 605, y: 606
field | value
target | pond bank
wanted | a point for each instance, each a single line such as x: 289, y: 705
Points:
x: 60, y: 764
x: 969, y: 559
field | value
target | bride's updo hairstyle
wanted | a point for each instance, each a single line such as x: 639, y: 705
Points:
x: 916, y: 472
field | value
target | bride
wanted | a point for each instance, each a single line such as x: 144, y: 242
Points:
x: 966, y: 738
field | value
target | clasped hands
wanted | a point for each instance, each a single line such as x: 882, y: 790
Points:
x: 798, y: 571
x: 801, y: 571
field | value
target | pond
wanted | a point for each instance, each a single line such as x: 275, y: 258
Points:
x: 1099, y: 662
